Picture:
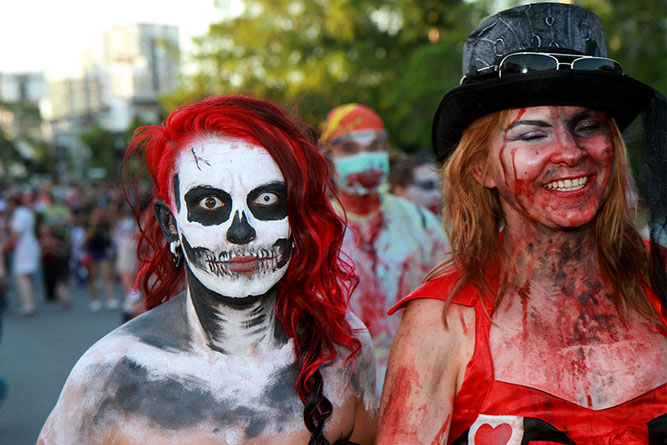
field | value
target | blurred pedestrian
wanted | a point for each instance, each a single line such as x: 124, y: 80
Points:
x: 125, y: 240
x: 3, y: 287
x: 78, y: 257
x: 54, y: 219
x: 393, y: 242
x: 25, y: 249
x: 99, y: 254
x: 415, y: 178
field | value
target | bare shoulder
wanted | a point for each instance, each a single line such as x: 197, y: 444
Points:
x: 426, y: 365
x: 75, y: 415
x: 112, y: 373
x: 427, y: 326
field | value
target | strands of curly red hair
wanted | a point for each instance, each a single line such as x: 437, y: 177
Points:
x: 312, y: 297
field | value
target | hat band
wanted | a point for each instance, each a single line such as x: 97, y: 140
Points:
x: 526, y: 62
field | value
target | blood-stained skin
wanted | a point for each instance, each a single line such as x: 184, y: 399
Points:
x: 543, y: 145
x: 406, y: 382
x: 441, y: 437
x: 559, y: 302
x: 501, y: 152
x: 556, y: 328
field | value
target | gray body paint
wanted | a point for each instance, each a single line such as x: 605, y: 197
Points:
x: 167, y: 327
x: 179, y: 402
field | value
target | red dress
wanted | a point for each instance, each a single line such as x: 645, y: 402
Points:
x: 488, y: 411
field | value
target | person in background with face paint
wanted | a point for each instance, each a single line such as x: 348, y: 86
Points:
x: 548, y: 324
x: 393, y: 242
x: 259, y: 349
x: 416, y: 178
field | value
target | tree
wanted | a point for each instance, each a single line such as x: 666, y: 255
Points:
x: 107, y: 148
x: 397, y: 56
x: 321, y: 53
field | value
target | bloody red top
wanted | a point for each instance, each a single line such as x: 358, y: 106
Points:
x: 488, y: 411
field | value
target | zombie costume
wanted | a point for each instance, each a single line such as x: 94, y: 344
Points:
x: 570, y: 347
x: 392, y: 242
x: 260, y: 348
x: 488, y: 411
x: 393, y: 249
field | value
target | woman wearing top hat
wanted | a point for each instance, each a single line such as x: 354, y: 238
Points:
x: 548, y: 324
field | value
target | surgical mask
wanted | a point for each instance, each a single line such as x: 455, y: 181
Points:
x: 362, y: 173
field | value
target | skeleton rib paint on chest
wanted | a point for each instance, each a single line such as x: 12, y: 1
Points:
x: 232, y: 216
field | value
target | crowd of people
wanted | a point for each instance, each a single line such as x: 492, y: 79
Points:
x: 56, y: 236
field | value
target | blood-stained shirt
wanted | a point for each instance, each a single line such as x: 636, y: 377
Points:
x: 393, y: 250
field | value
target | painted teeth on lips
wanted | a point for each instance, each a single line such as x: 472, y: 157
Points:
x: 567, y: 185
x: 261, y: 254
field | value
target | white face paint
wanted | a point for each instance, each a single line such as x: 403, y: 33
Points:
x: 232, y: 218
x: 425, y: 188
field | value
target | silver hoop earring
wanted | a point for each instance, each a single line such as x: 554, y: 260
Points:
x: 175, y: 248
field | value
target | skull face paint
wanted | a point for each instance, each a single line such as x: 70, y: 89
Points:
x: 232, y: 216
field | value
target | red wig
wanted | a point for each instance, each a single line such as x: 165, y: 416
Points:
x: 312, y: 297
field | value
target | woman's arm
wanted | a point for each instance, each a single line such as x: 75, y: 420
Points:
x: 425, y: 370
x: 364, y: 386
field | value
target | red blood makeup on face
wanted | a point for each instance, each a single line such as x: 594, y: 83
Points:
x: 502, y: 149
x: 554, y: 164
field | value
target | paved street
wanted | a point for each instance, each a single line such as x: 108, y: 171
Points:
x: 36, y: 355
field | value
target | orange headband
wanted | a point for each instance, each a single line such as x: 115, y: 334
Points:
x: 349, y: 118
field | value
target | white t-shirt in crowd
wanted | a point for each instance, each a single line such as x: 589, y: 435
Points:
x: 26, y: 256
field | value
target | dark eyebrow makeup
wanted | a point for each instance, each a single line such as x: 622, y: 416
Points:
x: 536, y: 123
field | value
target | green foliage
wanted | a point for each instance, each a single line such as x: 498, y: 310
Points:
x: 636, y: 33
x: 23, y: 127
x: 102, y: 144
x: 316, y: 54
x: 107, y: 148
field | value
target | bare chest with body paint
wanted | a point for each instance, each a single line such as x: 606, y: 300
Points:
x: 575, y: 347
x: 132, y: 387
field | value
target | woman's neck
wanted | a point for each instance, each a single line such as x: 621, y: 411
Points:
x: 555, y: 260
x: 236, y: 326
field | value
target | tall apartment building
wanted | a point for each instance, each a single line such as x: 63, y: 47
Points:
x: 22, y: 87
x: 20, y: 94
x: 76, y: 97
x: 142, y: 60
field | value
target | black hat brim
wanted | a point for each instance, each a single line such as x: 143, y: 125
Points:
x: 621, y: 96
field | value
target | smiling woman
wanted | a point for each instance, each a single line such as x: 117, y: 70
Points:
x: 260, y: 349
x: 548, y: 323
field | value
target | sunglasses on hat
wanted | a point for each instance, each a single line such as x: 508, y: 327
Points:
x: 526, y: 62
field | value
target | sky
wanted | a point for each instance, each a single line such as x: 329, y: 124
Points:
x: 51, y: 35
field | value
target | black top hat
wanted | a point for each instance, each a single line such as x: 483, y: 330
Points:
x: 543, y: 28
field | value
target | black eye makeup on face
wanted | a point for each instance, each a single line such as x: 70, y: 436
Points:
x: 208, y: 206
x: 378, y: 144
x: 349, y: 148
x: 268, y: 202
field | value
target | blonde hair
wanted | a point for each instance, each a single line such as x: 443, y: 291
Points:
x: 473, y: 217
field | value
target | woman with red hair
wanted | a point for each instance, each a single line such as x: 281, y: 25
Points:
x: 259, y: 348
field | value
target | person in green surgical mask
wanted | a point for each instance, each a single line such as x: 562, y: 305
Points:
x: 393, y: 242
